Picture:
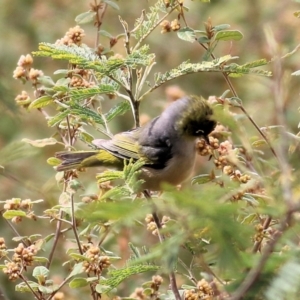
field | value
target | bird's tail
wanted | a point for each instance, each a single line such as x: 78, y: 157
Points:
x: 85, y: 159
x: 72, y: 160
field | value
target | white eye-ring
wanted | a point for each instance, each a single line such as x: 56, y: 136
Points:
x: 199, y: 131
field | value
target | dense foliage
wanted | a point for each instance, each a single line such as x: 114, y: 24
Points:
x: 228, y: 233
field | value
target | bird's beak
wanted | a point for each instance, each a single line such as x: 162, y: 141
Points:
x: 206, y: 139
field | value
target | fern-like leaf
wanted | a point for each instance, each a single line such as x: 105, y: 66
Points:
x: 117, y: 276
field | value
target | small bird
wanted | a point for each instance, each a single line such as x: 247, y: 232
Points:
x: 167, y: 145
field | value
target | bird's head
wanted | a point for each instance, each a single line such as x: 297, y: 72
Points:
x: 196, y: 119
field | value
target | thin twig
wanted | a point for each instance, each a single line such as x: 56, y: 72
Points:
x: 255, y: 272
x: 265, y: 227
x: 58, y: 288
x: 107, y: 230
x: 56, y: 238
x: 233, y: 91
x: 135, y: 106
x: 74, y: 225
x: 134, y: 103
x: 161, y: 237
x: 28, y: 285
x: 69, y: 130
x: 191, y: 275
x: 99, y: 19
x: 14, y: 230
x: 127, y: 35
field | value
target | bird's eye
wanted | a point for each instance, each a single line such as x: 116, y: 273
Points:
x: 200, y: 131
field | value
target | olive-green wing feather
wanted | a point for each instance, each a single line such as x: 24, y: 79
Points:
x: 124, y: 145
x: 84, y: 159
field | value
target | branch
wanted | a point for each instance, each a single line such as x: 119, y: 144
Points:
x: 74, y: 225
x: 99, y: 18
x: 56, y: 237
x: 255, y: 272
x: 161, y: 237
x: 28, y: 285
x: 265, y: 227
x: 228, y: 81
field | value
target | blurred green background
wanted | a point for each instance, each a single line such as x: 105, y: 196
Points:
x: 25, y: 23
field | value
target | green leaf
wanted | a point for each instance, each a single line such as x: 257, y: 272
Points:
x: 228, y: 35
x: 47, y: 289
x: 53, y: 161
x: 111, y: 4
x: 86, y: 137
x: 77, y: 269
x: 23, y: 287
x: 84, y: 93
x: 221, y: 27
x: 85, y: 113
x: 203, y: 40
x: 117, y: 276
x: 49, y: 237
x: 259, y: 143
x: 78, y: 256
x: 40, y: 272
x: 255, y: 63
x: 62, y: 84
x: 41, y: 102
x: 58, y: 118
x: 41, y: 259
x: 187, y: 34
x: 9, y: 214
x: 236, y: 70
x: 201, y: 179
x: 41, y: 143
x: 235, y: 101
x: 109, y: 175
x: 78, y: 283
x: 144, y: 25
x: 105, y: 33
x: 187, y: 287
x: 119, y: 109
x: 102, y: 289
x: 61, y: 71
x: 19, y: 238
x: 86, y: 17
x: 46, y: 81
x: 189, y: 68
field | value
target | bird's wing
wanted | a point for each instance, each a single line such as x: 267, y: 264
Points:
x: 124, y: 145
x: 156, y: 153
x: 150, y: 143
